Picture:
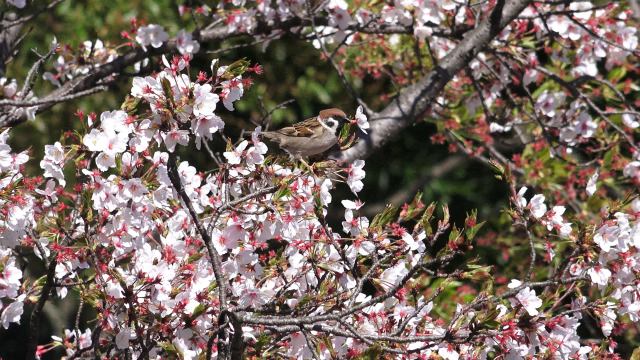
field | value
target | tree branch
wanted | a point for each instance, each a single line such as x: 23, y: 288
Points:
x: 414, y: 101
x: 216, y: 262
x: 215, y: 34
x: 34, y: 321
x: 8, y: 39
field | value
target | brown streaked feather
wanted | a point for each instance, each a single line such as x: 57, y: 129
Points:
x: 301, y: 129
x: 308, y: 128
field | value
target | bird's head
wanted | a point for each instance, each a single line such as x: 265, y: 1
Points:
x: 333, y: 119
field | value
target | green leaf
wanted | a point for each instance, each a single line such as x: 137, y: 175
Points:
x: 41, y: 281
x: 195, y: 257
x: 454, y: 234
x: 168, y: 92
x: 445, y: 214
x: 478, y: 272
x: 374, y: 352
x: 387, y: 216
x: 617, y: 74
x: 169, y: 348
x: 426, y: 218
x: 609, y: 156
x: 344, y: 133
x: 413, y: 209
x: 497, y: 168
x: 347, y: 137
x: 199, y: 310
x: 263, y: 340
x: 283, y: 191
x: 472, y: 231
x: 236, y: 69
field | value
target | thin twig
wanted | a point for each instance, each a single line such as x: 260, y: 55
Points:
x: 34, y: 322
x: 50, y: 101
x: 8, y: 24
x: 341, y: 74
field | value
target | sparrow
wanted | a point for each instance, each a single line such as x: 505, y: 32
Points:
x: 311, y: 136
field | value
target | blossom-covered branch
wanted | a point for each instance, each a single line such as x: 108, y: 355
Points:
x: 248, y: 258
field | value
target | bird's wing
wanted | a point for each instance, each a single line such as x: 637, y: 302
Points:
x: 301, y: 129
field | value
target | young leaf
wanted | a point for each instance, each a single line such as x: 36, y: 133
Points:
x: 387, y: 216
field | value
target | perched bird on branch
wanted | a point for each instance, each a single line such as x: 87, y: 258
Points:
x: 311, y: 136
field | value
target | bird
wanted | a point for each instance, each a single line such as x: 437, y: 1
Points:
x: 312, y: 136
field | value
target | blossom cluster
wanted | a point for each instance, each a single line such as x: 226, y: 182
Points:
x: 138, y: 217
x: 584, y: 35
x: 16, y: 221
x: 73, y: 62
x: 177, y: 261
x: 612, y: 265
x: 552, y: 218
x: 135, y: 236
x: 424, y: 17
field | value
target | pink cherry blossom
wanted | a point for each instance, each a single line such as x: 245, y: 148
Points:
x: 151, y: 35
x: 529, y: 301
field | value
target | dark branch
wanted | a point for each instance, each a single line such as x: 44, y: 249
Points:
x: 413, y: 101
x: 34, y: 321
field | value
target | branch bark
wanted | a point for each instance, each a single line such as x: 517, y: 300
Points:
x: 404, y: 110
x: 34, y: 321
x: 216, y: 262
x: 117, y: 67
x: 413, y: 101
x: 8, y: 39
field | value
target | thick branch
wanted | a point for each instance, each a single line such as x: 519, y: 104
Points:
x: 8, y: 39
x: 119, y: 64
x: 414, y: 101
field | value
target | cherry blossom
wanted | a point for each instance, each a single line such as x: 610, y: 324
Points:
x: 529, y: 301
x: 537, y: 206
x: 630, y: 120
x: 12, y: 312
x: 355, y: 176
x: 548, y: 102
x: 592, y: 184
x: 232, y: 90
x: 361, y: 120
x: 17, y: 3
x: 182, y: 261
x: 9, y: 276
x: 152, y: 34
x: 186, y: 44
